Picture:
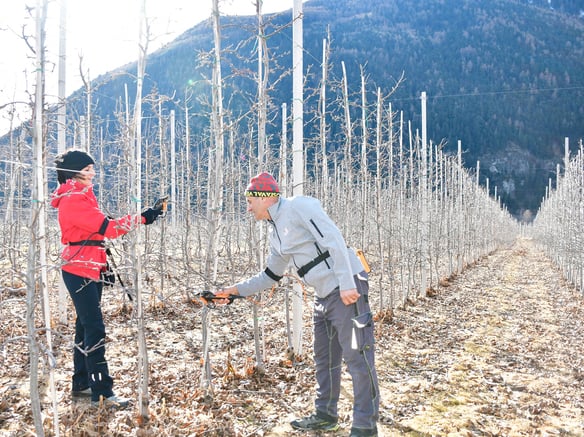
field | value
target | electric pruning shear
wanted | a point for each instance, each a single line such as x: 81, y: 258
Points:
x: 209, y: 298
x: 161, y: 204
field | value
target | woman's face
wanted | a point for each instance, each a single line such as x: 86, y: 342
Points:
x: 86, y: 175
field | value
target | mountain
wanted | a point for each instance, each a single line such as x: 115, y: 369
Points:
x: 573, y: 7
x: 504, y: 77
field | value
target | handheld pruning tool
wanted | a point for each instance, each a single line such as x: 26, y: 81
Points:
x: 209, y: 298
x: 161, y: 204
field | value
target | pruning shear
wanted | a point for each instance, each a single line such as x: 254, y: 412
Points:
x: 209, y: 298
x: 162, y: 204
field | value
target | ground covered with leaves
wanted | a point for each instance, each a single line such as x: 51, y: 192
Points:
x: 496, y: 351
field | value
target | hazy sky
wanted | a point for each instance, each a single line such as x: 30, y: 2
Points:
x: 104, y: 33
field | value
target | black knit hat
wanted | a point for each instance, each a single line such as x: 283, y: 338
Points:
x: 69, y: 164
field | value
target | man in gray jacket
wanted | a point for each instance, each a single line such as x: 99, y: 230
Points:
x: 305, y: 239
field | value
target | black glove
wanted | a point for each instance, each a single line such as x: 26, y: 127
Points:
x: 151, y: 215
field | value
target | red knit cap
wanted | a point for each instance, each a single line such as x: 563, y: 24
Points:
x: 262, y: 185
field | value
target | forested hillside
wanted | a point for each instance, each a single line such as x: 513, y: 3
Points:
x: 573, y: 7
x: 503, y: 77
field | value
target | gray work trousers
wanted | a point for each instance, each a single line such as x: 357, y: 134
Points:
x: 346, y: 332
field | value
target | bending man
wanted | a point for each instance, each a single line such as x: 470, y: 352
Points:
x: 304, y: 238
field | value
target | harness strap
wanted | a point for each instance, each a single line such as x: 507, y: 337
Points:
x: 103, y: 226
x: 100, y: 243
x: 88, y: 242
x: 308, y: 266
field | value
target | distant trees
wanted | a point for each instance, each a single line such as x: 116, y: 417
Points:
x: 558, y: 224
x: 573, y: 7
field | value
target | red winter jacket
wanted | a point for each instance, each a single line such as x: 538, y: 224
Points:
x: 81, y: 219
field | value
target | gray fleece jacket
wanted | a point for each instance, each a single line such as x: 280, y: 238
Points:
x: 300, y: 231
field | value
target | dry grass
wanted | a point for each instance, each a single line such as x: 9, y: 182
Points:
x: 496, y: 351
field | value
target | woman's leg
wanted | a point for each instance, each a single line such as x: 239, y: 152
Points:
x: 80, y: 374
x: 86, y: 296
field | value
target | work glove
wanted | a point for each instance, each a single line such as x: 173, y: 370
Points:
x: 151, y: 215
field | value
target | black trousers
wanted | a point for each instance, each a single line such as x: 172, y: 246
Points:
x: 89, y: 363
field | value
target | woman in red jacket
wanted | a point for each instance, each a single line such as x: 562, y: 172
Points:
x: 83, y: 231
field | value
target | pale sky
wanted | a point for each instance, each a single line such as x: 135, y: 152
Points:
x: 104, y: 33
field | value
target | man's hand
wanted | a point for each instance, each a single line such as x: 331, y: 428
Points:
x: 350, y: 296
x: 225, y: 293
x: 211, y: 299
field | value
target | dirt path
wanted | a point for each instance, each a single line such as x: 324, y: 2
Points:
x: 498, y: 352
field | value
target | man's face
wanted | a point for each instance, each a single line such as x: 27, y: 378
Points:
x: 258, y: 206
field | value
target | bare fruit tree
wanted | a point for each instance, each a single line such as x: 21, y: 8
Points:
x: 557, y: 226
x: 37, y: 277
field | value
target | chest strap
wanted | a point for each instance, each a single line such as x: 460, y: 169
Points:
x: 88, y: 242
x: 100, y: 243
x: 308, y: 266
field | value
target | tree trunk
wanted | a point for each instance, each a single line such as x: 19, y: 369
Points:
x: 62, y: 133
x: 297, y: 151
x: 137, y: 249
